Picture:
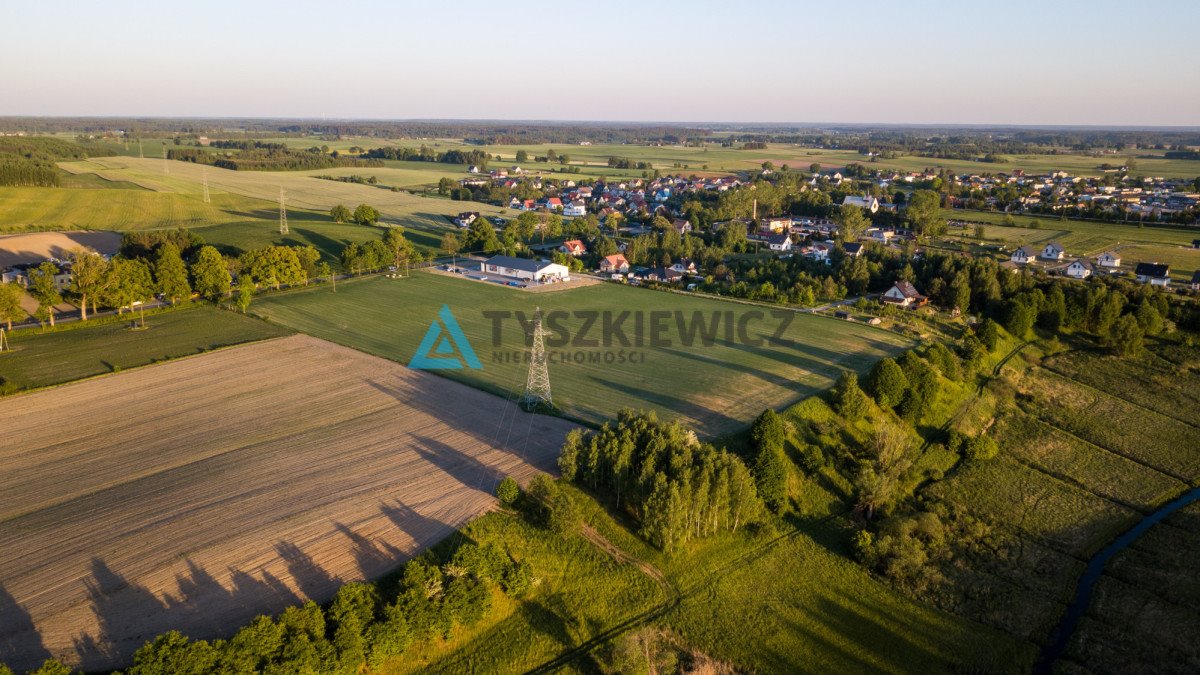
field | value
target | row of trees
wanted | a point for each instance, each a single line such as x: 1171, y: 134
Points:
x: 393, y: 250
x: 675, y: 487
x: 364, y: 626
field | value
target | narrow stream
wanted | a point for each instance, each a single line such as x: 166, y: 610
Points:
x: 1087, y: 583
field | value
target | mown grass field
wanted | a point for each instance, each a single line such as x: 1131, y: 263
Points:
x: 67, y: 208
x: 78, y: 350
x: 718, y: 388
x: 425, y: 217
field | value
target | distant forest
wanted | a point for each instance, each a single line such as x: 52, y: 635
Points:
x: 29, y: 161
x: 264, y: 156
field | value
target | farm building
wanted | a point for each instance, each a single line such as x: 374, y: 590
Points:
x: 1109, y: 259
x: 523, y: 268
x: 1155, y: 274
x: 614, y: 264
x: 904, y: 294
x: 1080, y: 269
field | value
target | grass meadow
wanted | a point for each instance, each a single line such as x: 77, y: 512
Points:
x: 718, y: 388
x: 78, y: 350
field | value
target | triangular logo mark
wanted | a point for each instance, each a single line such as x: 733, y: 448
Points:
x: 445, y: 337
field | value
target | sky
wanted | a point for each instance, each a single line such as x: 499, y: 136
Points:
x: 1056, y: 62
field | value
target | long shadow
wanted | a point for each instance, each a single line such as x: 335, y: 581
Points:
x: 420, y: 528
x: 129, y: 614
x: 766, y: 376
x: 709, y: 422
x: 373, y: 558
x: 330, y: 247
x: 20, y: 642
x: 467, y: 470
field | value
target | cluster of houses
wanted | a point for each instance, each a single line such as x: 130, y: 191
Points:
x: 1053, y: 255
x: 571, y: 198
x: 19, y: 273
x: 1147, y: 197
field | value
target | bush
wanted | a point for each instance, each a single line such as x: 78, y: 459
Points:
x: 981, y: 448
x: 508, y: 492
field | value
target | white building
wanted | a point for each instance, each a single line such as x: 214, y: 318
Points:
x: 868, y: 203
x: 1080, y: 269
x: 1022, y: 255
x: 538, y: 271
x: 1053, y: 251
x: 575, y: 208
x: 1109, y: 259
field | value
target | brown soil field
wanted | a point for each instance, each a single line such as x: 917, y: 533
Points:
x: 37, y: 246
x: 199, y: 493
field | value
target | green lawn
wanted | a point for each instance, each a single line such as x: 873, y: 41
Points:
x: 719, y: 388
x: 41, y: 359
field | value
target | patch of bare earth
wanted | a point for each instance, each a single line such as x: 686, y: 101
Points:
x: 35, y: 247
x: 197, y: 494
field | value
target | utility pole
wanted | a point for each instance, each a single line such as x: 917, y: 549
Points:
x: 537, y: 385
x: 283, y: 228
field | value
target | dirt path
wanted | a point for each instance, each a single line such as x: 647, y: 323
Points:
x: 196, y: 494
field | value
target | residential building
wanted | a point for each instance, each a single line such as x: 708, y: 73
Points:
x: 1155, y: 274
x: 779, y: 242
x: 1080, y: 269
x: 576, y: 208
x: 614, y: 264
x: 1022, y: 255
x: 1053, y: 251
x: 904, y: 294
x: 868, y: 203
x: 573, y: 247
x: 1109, y: 259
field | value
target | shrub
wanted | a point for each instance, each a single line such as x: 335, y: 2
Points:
x: 508, y: 492
x: 981, y: 448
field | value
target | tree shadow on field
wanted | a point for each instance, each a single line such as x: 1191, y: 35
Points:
x: 423, y: 529
x: 708, y: 422
x: 373, y: 558
x: 494, y: 422
x: 129, y: 614
x: 21, y: 644
x: 467, y: 470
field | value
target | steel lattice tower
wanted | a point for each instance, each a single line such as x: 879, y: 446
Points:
x: 204, y: 173
x: 537, y: 386
x: 166, y: 168
x: 283, y: 228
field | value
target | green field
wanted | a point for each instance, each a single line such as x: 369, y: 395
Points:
x: 1089, y: 444
x: 77, y: 351
x: 762, y: 602
x: 718, y: 388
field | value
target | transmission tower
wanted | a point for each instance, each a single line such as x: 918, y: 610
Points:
x: 204, y: 175
x: 4, y: 341
x: 166, y: 168
x: 141, y: 155
x: 537, y: 386
x: 283, y: 228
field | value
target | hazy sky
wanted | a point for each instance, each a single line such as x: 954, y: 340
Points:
x: 1012, y: 61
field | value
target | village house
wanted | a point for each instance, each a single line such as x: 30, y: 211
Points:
x: 575, y: 208
x: 1155, y: 274
x: 19, y: 274
x: 1080, y: 269
x: 465, y: 218
x: 537, y: 271
x: 684, y: 266
x: 868, y: 203
x: 1196, y: 280
x: 682, y: 226
x: 614, y: 264
x: 777, y: 224
x: 660, y: 274
x: 1109, y: 259
x: 904, y: 294
x: 573, y: 247
x: 1053, y: 251
x: 853, y: 249
x: 779, y: 242
x: 1022, y: 255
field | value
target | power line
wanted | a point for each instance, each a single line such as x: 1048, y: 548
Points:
x: 283, y: 227
x: 537, y: 386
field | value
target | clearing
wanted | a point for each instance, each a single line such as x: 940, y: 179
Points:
x: 37, y: 246
x: 199, y: 493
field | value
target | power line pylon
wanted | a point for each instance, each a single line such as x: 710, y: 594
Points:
x: 537, y: 385
x: 141, y: 155
x: 166, y: 168
x: 283, y: 228
x: 204, y: 174
x: 4, y: 341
